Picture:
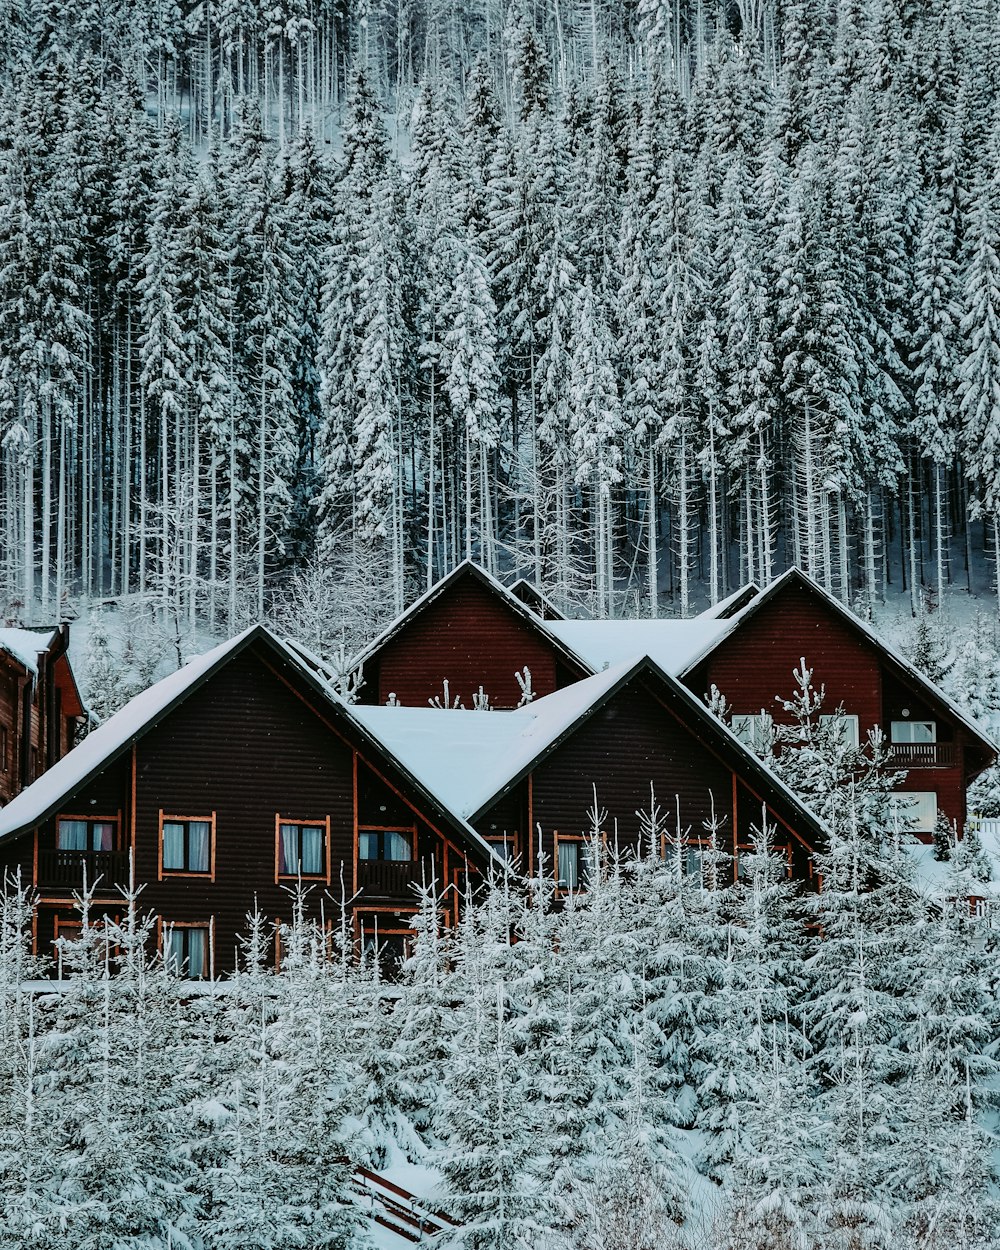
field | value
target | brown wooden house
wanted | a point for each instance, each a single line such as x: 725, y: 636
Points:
x: 221, y: 784
x: 931, y: 739
x: 472, y: 632
x: 525, y: 779
x: 41, y: 711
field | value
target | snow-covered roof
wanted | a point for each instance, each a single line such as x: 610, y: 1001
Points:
x: 25, y: 645
x: 731, y: 625
x: 671, y: 642
x: 102, y: 745
x: 733, y: 603
x: 466, y: 757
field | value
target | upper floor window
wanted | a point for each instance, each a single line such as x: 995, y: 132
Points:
x: 188, y: 844
x: 754, y: 731
x: 394, y: 845
x: 848, y: 726
x: 186, y: 950
x: 85, y: 834
x: 503, y: 845
x: 301, y: 849
x: 914, y: 731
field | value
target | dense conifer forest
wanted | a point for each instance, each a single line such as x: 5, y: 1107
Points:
x: 642, y: 299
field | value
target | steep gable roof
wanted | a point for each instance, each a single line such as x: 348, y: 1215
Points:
x: 140, y: 715
x: 470, y: 759
x: 895, y: 662
x: 669, y: 641
x: 469, y: 569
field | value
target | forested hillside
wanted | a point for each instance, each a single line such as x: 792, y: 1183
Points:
x: 644, y: 299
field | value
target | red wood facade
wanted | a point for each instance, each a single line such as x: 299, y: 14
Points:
x: 753, y: 666
x: 40, y: 710
x: 250, y: 750
x: 471, y: 633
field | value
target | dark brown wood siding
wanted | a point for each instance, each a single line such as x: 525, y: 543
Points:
x: 628, y: 744
x: 469, y: 637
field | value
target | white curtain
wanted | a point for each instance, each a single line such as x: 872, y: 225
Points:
x: 397, y: 845
x: 290, y: 850
x: 312, y: 850
x: 199, y: 834
x: 197, y: 953
x: 173, y: 950
x: 367, y: 844
x: 173, y: 846
x: 104, y: 836
x: 569, y: 861
x: 72, y: 835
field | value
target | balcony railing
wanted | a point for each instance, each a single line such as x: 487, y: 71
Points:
x: 383, y: 878
x: 922, y: 755
x: 64, y: 869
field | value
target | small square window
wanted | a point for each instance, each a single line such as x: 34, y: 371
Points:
x: 301, y: 849
x: 187, y: 844
x: 916, y: 810
x: 186, y: 950
x: 754, y: 731
x: 848, y: 725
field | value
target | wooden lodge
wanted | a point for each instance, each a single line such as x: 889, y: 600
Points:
x: 223, y: 784
x: 41, y: 711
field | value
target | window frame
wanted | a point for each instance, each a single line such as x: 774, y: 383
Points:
x: 324, y: 824
x: 907, y: 812
x: 582, y: 870
x: 381, y: 830
x: 509, y: 840
x: 848, y: 718
x: 177, y: 819
x: 166, y: 927
x: 747, y: 719
x: 907, y: 742
x: 397, y: 929
x: 89, y: 820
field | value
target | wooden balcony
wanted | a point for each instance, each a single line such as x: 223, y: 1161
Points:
x: 63, y: 870
x: 922, y: 755
x: 395, y: 879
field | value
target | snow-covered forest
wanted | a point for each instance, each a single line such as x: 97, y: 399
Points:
x: 663, y: 1062
x: 643, y: 299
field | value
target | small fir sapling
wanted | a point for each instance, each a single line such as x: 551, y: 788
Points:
x: 942, y: 838
x: 445, y: 701
x: 481, y: 701
x: 524, y: 682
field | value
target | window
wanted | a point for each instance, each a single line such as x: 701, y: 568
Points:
x: 83, y: 834
x: 504, y: 846
x: 188, y: 844
x: 186, y: 950
x: 301, y: 849
x: 914, y: 731
x: 387, y: 939
x: 754, y: 731
x: 916, y: 810
x: 848, y: 725
x: 394, y: 845
x: 574, y: 862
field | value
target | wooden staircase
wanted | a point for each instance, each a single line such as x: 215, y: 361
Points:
x: 395, y: 1208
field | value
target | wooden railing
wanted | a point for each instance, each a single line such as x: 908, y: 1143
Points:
x: 64, y: 869
x: 385, y: 878
x: 922, y: 755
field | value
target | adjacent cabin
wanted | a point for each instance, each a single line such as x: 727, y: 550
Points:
x: 41, y: 711
x: 472, y: 633
x: 931, y: 740
x: 628, y: 752
x: 217, y: 788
